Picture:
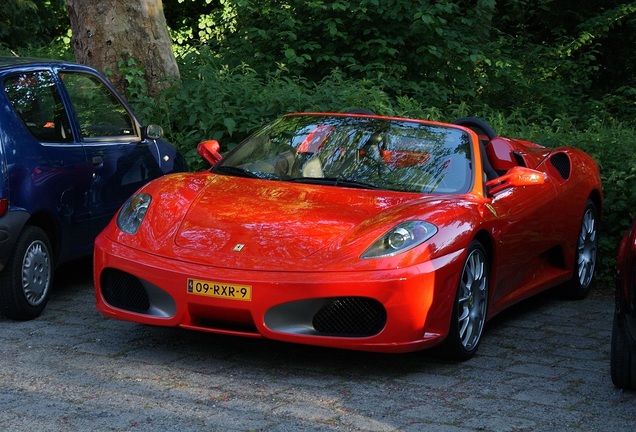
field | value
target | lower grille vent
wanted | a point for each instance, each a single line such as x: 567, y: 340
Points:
x: 350, y: 316
x: 124, y: 291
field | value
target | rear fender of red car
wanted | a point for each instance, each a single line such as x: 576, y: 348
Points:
x: 626, y: 277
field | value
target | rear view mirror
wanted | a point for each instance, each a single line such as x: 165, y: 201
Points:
x: 515, y: 177
x: 152, y: 131
x: 210, y: 151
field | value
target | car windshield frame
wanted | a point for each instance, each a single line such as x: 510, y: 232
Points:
x: 370, y: 152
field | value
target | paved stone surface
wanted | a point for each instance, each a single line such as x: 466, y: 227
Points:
x: 542, y: 366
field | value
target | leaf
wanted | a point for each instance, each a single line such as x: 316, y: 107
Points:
x: 230, y: 125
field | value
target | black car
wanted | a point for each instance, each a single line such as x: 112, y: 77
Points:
x: 71, y: 152
x: 623, y: 354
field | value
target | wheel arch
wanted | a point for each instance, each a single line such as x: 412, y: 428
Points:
x: 488, y: 243
x: 596, y: 197
x: 49, y: 225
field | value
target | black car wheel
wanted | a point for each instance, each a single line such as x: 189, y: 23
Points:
x: 471, y: 303
x: 585, y: 260
x: 26, y: 280
x: 623, y: 358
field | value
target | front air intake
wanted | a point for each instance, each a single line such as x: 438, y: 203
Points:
x: 350, y: 316
x: 124, y: 291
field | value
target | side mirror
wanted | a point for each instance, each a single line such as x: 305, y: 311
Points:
x: 515, y: 177
x: 152, y: 131
x: 210, y: 151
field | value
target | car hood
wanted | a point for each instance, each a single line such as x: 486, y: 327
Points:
x: 278, y: 220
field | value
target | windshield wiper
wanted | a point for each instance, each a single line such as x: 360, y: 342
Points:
x: 333, y: 181
x: 242, y: 172
x: 232, y: 170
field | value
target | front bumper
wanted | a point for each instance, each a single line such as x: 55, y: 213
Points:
x: 399, y: 310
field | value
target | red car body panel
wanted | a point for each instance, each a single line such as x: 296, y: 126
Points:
x: 626, y: 278
x: 623, y: 346
x: 294, y: 247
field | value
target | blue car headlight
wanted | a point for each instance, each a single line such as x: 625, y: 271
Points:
x: 132, y: 213
x: 400, y: 238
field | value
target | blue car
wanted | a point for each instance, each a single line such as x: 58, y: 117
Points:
x: 71, y: 152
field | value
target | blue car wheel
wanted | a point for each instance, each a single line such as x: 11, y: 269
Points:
x: 27, y: 278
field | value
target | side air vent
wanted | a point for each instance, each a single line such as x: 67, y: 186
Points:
x: 561, y: 162
x: 519, y: 159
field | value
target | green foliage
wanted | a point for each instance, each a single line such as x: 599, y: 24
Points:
x: 136, y: 87
x: 419, y: 48
x: 31, y: 23
x: 615, y: 151
x: 509, y: 54
x: 589, y: 41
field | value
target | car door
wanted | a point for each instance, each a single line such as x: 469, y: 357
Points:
x: 48, y: 169
x: 121, y: 161
x: 526, y: 237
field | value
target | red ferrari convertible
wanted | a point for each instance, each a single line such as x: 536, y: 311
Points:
x: 354, y: 231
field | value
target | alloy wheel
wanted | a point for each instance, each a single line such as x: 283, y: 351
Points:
x: 472, y: 300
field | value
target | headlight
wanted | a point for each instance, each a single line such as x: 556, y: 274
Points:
x: 401, y: 238
x: 132, y: 213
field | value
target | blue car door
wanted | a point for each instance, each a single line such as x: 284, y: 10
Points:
x: 48, y: 169
x: 121, y: 160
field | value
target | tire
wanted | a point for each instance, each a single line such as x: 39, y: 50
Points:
x: 622, y: 358
x: 27, y: 278
x: 585, y: 257
x: 470, y: 307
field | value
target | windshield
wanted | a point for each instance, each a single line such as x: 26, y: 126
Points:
x: 350, y: 151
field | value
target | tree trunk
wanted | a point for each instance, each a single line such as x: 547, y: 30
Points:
x: 106, y: 32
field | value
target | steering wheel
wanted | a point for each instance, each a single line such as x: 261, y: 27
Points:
x: 476, y: 123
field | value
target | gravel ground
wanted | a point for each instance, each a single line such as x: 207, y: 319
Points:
x: 542, y: 366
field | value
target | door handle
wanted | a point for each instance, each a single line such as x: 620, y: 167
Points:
x: 98, y: 160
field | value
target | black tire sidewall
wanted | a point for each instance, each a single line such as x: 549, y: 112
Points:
x: 622, y: 357
x: 13, y: 303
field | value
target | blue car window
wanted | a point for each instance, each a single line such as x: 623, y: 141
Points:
x: 37, y: 102
x: 98, y: 111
